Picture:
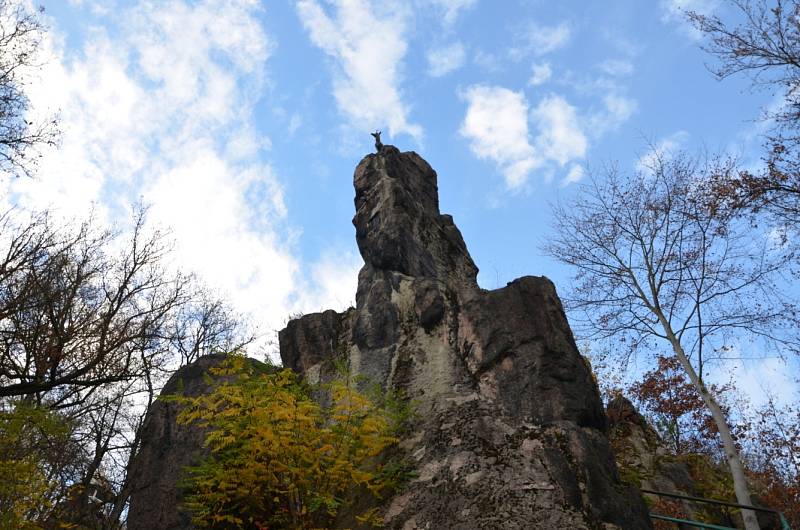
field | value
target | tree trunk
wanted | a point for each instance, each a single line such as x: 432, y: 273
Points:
x: 732, y: 455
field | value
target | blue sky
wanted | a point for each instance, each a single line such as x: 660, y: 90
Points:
x: 240, y: 122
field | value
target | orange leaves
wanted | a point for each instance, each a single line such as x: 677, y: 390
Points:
x: 676, y: 408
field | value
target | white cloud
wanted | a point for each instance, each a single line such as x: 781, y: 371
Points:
x: 541, y: 74
x: 496, y: 123
x: 163, y: 110
x: 616, y: 67
x: 97, y: 7
x: 451, y: 9
x: 676, y: 8
x: 618, y: 109
x: 560, y: 137
x: 665, y: 147
x: 760, y: 379
x: 211, y: 220
x: 442, y: 61
x: 575, y: 174
x: 488, y: 61
x: 246, y: 143
x: 626, y: 46
x: 295, y: 122
x: 95, y: 100
x: 540, y: 40
x: 368, y: 50
x: 333, y: 281
x: 673, y: 12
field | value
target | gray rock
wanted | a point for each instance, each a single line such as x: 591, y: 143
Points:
x: 512, y: 432
x: 398, y: 224
x: 647, y: 463
x: 166, y: 449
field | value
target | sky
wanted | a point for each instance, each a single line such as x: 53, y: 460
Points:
x: 240, y: 122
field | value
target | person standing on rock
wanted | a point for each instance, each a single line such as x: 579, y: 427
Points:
x: 378, y: 144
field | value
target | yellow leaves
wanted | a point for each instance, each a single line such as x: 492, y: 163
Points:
x: 371, y: 518
x: 29, y: 439
x: 279, y: 459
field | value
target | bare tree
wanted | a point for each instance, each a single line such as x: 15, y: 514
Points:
x: 765, y: 45
x: 75, y: 318
x: 91, y: 325
x: 654, y: 259
x: 206, y: 326
x: 20, y: 136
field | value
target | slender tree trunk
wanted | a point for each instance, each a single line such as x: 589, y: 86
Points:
x: 731, y: 454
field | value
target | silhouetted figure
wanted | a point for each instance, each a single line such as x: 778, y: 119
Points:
x: 378, y: 144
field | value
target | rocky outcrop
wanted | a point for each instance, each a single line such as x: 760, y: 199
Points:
x: 645, y: 462
x: 512, y: 432
x: 167, y: 448
x: 644, y: 459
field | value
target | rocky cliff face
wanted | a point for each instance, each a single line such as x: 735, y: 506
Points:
x: 513, y: 432
x: 166, y: 449
x: 646, y: 462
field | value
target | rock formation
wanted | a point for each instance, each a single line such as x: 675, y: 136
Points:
x: 512, y: 432
x: 166, y: 449
x: 646, y: 462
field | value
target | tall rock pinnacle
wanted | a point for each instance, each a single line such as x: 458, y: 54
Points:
x: 512, y: 430
x: 398, y: 224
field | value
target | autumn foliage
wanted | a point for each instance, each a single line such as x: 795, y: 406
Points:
x: 279, y: 459
x: 676, y: 409
x: 768, y: 437
x: 774, y: 457
x: 33, y: 459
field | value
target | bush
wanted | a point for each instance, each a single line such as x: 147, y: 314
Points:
x: 279, y: 459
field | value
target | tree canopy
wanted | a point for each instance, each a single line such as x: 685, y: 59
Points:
x: 21, y: 135
x: 765, y: 45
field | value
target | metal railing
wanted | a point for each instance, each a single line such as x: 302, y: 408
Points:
x: 697, y: 524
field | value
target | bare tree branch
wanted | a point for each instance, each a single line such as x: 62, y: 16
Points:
x: 656, y: 256
x: 20, y: 137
